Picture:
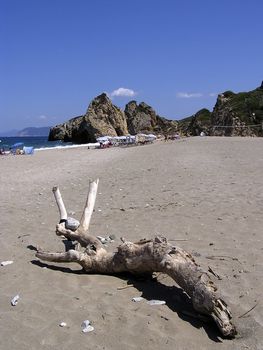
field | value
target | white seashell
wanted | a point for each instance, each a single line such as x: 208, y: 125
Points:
x: 156, y: 302
x: 72, y: 224
x: 137, y: 299
x: 105, y: 240
x: 102, y: 239
x: 62, y: 324
x: 86, y: 327
x: 7, y: 262
x: 14, y: 301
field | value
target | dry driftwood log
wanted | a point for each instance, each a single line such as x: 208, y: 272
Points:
x: 145, y: 256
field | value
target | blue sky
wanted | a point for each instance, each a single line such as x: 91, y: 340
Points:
x: 57, y: 55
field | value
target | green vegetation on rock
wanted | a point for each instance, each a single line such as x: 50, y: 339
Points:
x: 239, y: 114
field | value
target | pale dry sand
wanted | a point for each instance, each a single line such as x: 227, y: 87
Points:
x: 208, y: 191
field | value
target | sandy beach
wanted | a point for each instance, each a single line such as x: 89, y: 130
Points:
x: 207, y: 193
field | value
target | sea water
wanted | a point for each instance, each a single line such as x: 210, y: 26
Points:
x: 36, y: 142
x: 39, y: 143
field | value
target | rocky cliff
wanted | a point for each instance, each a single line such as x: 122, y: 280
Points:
x: 103, y: 118
x: 238, y: 114
x: 143, y: 119
x: 234, y: 114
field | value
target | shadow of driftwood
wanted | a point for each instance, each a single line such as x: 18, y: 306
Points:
x: 57, y: 268
x: 176, y: 299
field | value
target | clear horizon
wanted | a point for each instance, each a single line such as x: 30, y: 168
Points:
x: 57, y: 55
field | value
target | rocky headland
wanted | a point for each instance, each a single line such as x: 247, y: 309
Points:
x: 101, y: 118
x: 104, y: 118
x: 234, y: 114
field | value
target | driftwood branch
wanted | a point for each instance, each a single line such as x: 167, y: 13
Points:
x: 145, y: 256
x: 81, y: 234
x: 90, y: 203
x: 60, y: 204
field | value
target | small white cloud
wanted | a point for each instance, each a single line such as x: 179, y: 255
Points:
x: 213, y: 94
x: 122, y: 92
x: 189, y: 95
x: 42, y: 117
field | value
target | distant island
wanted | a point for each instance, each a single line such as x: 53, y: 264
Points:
x: 27, y: 132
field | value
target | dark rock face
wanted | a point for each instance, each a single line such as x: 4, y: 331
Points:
x: 194, y: 125
x: 64, y: 131
x: 143, y: 119
x: 101, y: 118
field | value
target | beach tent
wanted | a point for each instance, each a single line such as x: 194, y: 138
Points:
x: 28, y: 150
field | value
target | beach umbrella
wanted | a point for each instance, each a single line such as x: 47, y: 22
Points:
x: 103, y: 138
x: 18, y: 144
